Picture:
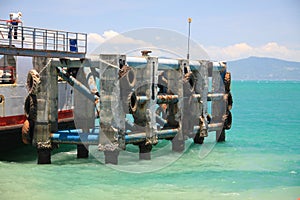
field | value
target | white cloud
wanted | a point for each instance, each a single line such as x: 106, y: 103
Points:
x: 121, y: 43
x: 112, y: 41
x: 94, y: 39
x: 243, y: 50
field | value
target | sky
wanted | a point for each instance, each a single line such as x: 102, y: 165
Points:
x: 225, y: 29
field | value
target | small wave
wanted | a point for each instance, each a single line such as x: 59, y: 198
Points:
x: 293, y: 172
x: 231, y: 194
x: 71, y: 152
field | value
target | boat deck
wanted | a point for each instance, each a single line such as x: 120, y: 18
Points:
x: 29, y: 41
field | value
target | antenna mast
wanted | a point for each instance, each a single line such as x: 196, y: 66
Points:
x: 188, y: 51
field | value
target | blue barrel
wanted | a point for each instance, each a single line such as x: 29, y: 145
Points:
x: 73, y: 45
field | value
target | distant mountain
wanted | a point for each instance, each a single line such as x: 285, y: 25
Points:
x: 261, y: 68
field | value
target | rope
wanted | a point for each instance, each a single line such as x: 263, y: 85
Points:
x: 112, y: 65
x: 45, y: 66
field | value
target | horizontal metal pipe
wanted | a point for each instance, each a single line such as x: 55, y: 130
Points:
x: 215, y: 127
x: 76, y: 136
x: 194, y: 65
x: 66, y: 138
x: 85, y: 138
x: 211, y: 127
x: 214, y: 96
x: 163, y: 63
x: 218, y: 66
x: 161, y: 99
x: 161, y: 134
x: 168, y: 99
x: 136, y: 62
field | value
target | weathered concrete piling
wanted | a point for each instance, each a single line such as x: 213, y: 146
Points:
x: 46, y: 121
x: 167, y: 99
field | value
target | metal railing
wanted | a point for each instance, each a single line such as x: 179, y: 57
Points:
x: 42, y: 39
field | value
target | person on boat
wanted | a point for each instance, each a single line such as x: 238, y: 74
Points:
x: 14, y: 20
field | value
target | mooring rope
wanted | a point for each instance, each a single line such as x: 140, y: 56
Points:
x: 112, y: 65
x: 45, y: 66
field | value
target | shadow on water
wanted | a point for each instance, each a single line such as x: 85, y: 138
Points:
x: 28, y: 153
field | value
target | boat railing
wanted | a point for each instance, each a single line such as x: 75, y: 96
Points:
x: 41, y: 39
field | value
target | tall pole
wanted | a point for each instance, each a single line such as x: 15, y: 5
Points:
x: 188, y: 52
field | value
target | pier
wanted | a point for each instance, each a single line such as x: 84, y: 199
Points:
x: 166, y: 99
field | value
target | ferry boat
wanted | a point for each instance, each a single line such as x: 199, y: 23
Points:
x: 16, y: 63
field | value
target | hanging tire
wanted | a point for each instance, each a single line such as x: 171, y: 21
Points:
x: 33, y: 81
x: 227, y: 81
x: 189, y: 81
x: 27, y: 131
x: 162, y: 83
x: 198, y: 139
x: 228, y: 120
x: 132, y: 103
x: 30, y: 107
x: 131, y: 77
x: 229, y: 101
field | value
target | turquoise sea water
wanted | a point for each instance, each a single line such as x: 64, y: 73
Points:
x: 259, y: 160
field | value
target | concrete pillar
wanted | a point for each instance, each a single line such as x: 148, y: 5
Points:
x: 111, y: 157
x: 176, y: 114
x: 82, y: 151
x: 46, y: 108
x: 112, y: 116
x: 84, y: 112
x: 145, y: 151
x: 218, y: 106
x: 220, y: 135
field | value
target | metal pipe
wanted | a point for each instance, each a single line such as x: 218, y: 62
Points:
x: 161, y: 99
x: 219, y: 66
x: 211, y: 127
x: 76, y: 84
x: 194, y: 65
x: 161, y: 134
x: 214, y: 96
x: 163, y: 63
x: 77, y: 137
x: 130, y: 125
x: 82, y: 138
x: 169, y: 99
x: 136, y: 62
x: 161, y: 121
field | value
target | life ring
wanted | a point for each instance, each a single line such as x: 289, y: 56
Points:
x: 227, y: 81
x: 33, y: 81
